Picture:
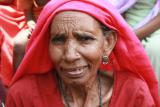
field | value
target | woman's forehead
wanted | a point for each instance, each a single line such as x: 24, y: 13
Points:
x: 65, y: 15
x: 75, y: 19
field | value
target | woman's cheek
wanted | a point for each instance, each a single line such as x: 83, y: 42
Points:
x: 55, y: 54
x: 92, y: 53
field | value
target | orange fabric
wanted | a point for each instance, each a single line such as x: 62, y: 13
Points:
x: 127, y: 56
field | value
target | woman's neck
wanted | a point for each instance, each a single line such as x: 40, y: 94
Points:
x: 81, y: 95
x: 88, y: 95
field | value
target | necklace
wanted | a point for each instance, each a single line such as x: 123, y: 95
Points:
x: 62, y: 89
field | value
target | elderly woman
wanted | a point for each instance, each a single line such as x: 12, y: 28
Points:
x: 83, y: 54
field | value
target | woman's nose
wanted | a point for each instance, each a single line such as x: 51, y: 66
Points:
x: 71, y: 53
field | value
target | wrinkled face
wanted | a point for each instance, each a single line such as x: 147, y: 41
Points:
x: 76, y: 46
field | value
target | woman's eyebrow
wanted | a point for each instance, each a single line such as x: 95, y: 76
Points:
x: 77, y: 34
x: 58, y: 34
x: 82, y: 34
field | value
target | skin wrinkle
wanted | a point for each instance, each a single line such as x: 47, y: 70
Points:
x: 69, y: 21
x: 71, y: 51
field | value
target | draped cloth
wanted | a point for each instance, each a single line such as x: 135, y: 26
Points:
x: 11, y: 22
x: 128, y: 54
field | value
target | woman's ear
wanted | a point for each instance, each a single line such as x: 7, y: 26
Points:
x: 110, y: 41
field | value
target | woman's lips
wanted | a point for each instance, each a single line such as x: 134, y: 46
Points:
x: 75, y: 72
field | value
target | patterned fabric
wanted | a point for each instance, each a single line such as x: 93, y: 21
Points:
x: 138, y: 12
x: 11, y: 22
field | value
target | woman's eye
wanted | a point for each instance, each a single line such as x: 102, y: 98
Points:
x: 86, y: 39
x: 58, y: 40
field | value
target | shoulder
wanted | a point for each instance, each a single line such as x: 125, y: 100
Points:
x: 130, y: 79
x: 21, y: 84
x: 29, y: 82
x: 132, y: 90
x: 20, y: 91
x: 27, y: 89
x: 23, y: 87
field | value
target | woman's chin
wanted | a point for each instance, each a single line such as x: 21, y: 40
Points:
x: 78, y: 75
x: 76, y: 80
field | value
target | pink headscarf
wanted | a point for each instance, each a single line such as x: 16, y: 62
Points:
x: 128, y: 54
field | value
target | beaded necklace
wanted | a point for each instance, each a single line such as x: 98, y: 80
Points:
x: 62, y: 89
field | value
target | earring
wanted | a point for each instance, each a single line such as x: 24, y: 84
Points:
x: 105, y: 59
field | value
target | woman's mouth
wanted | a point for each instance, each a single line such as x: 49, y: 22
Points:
x: 76, y: 72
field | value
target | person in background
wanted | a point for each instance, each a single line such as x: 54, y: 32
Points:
x: 144, y: 17
x: 67, y: 58
x: 31, y: 9
x: 11, y: 22
x: 15, y: 29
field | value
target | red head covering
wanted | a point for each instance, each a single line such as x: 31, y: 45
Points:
x: 128, y: 54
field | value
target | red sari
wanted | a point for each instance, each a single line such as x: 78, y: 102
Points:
x: 135, y: 84
x: 129, y: 91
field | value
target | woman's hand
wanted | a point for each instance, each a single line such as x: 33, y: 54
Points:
x: 31, y: 24
x: 19, y: 46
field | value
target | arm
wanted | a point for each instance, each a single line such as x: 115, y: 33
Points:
x: 148, y: 28
x: 27, y: 7
x: 30, y: 18
x: 143, y: 97
x: 19, y: 45
x: 21, y: 39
